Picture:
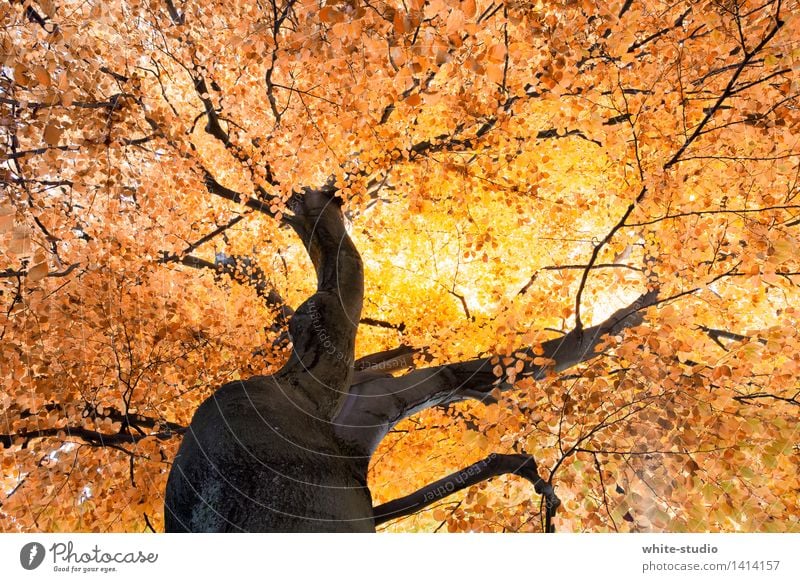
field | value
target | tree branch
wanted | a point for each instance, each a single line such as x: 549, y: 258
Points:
x: 92, y: 437
x: 373, y: 407
x: 492, y: 466
x: 177, y: 18
x: 245, y: 271
x: 10, y: 273
x: 596, y: 252
x: 729, y: 89
x: 323, y: 329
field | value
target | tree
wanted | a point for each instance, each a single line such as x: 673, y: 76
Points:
x: 578, y: 230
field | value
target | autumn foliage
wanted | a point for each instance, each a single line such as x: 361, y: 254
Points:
x: 511, y: 171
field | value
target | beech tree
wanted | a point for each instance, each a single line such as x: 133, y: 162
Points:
x: 425, y: 265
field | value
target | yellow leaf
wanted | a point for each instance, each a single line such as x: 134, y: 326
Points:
x: 784, y: 249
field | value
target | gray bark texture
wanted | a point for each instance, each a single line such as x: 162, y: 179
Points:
x: 261, y: 455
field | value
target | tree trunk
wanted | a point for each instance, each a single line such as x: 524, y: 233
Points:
x: 261, y: 455
x: 290, y: 452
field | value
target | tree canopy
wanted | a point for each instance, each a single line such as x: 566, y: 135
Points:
x: 517, y: 177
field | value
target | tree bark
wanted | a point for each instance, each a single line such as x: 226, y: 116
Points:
x: 492, y: 466
x: 261, y: 454
x: 373, y: 407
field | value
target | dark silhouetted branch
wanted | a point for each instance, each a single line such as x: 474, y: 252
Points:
x: 492, y: 466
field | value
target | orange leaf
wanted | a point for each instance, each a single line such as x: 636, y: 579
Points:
x: 469, y: 8
x: 495, y: 72
x: 401, y: 23
x: 52, y: 133
x: 37, y: 272
x: 330, y: 14
x: 497, y: 53
x: 42, y: 76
